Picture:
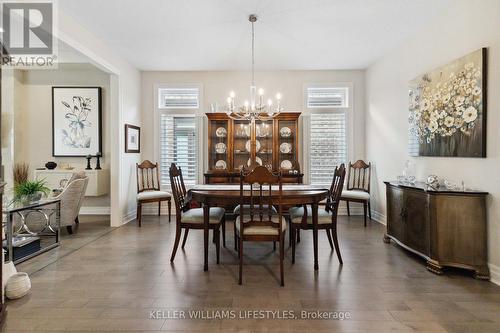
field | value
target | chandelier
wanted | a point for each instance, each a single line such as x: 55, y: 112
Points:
x: 256, y: 108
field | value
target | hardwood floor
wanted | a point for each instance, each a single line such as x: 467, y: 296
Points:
x: 114, y: 281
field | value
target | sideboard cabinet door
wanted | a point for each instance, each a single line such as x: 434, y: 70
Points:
x: 395, y: 212
x: 417, y: 225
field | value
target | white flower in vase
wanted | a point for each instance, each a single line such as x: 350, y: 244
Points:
x: 459, y: 100
x: 476, y: 91
x: 470, y: 114
x: 433, y: 126
x: 449, y: 121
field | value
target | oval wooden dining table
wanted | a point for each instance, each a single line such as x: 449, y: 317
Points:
x: 229, y: 195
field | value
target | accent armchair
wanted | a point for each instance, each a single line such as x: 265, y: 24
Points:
x: 71, y: 200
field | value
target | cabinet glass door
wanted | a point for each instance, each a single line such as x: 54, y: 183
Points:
x: 264, y: 143
x: 241, y: 143
x: 218, y: 150
x: 287, y: 148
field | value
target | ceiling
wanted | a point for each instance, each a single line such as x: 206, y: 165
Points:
x: 215, y: 34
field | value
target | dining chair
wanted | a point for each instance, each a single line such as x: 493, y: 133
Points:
x: 148, y: 188
x: 256, y: 222
x: 301, y: 217
x: 188, y: 218
x: 358, y: 186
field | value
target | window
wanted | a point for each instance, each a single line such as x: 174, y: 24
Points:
x: 327, y: 97
x: 178, y: 144
x: 179, y: 98
x: 329, y: 110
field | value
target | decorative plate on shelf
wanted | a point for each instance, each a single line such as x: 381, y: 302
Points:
x: 262, y: 131
x: 220, y: 148
x: 221, y: 132
x: 257, y: 160
x: 285, y: 132
x: 285, y: 148
x: 286, y: 164
x: 248, y: 145
x: 247, y: 130
x: 221, y: 165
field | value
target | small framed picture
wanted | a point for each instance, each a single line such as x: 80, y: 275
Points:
x: 132, y: 139
x: 76, y: 121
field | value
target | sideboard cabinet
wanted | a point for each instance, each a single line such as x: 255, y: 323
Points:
x: 447, y: 228
x: 234, y: 144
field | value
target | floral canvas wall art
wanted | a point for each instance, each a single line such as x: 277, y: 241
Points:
x: 76, y: 121
x: 448, y: 109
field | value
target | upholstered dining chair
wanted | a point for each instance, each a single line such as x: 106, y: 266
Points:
x: 358, y: 186
x: 258, y: 223
x: 301, y: 217
x: 188, y: 218
x: 148, y: 188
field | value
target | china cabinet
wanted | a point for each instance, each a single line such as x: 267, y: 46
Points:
x: 233, y: 144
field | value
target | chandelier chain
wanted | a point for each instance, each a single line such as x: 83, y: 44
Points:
x: 253, y: 55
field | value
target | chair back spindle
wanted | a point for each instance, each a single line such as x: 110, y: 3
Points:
x: 260, y: 181
x: 148, y: 176
x: 358, y: 176
x: 178, y: 189
x: 333, y: 199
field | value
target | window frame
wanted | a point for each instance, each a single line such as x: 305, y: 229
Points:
x: 197, y: 113
x: 178, y: 87
x: 347, y: 101
x: 348, y: 111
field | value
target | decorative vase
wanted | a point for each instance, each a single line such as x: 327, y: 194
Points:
x: 51, y: 165
x: 29, y: 198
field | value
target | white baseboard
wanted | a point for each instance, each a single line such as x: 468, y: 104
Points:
x: 131, y: 215
x: 494, y: 274
x: 379, y: 217
x: 95, y: 211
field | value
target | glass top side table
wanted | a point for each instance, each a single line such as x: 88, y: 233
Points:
x: 31, y: 228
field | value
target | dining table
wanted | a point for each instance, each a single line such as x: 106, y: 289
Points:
x: 224, y: 195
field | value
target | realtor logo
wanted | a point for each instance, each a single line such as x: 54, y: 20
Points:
x: 27, y: 34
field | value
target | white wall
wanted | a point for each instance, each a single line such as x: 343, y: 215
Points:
x: 33, y: 117
x: 217, y: 85
x: 125, y: 92
x: 466, y: 26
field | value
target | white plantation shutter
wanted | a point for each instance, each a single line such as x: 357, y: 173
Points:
x: 327, y: 97
x: 179, y: 98
x: 328, y: 145
x: 178, y: 144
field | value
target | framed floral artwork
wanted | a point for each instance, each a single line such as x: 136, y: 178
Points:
x: 132, y: 139
x: 448, y: 109
x: 76, y: 121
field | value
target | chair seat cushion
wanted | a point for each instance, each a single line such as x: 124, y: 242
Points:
x: 355, y: 194
x: 246, y: 209
x: 262, y: 230
x: 296, y: 214
x: 195, y: 215
x: 146, y: 195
